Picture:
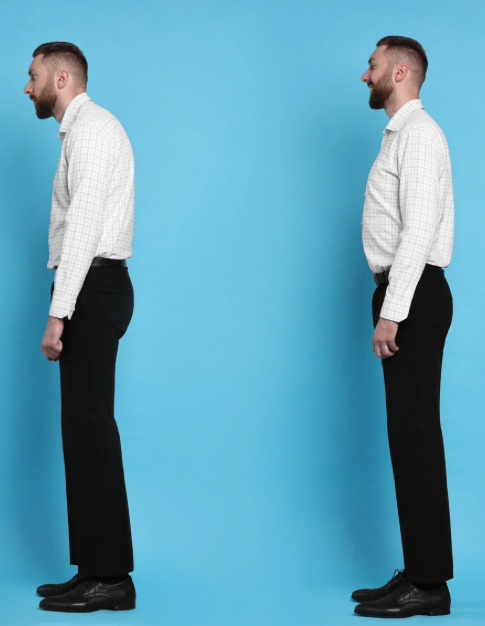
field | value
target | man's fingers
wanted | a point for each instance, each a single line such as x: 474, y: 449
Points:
x: 388, y: 349
x: 52, y: 351
x: 385, y: 352
x: 383, y: 349
x: 392, y: 346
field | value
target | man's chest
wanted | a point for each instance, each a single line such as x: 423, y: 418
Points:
x: 61, y: 179
x: 384, y: 171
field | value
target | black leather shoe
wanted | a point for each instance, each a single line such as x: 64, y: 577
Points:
x: 407, y: 601
x: 369, y: 595
x: 93, y: 595
x: 46, y: 591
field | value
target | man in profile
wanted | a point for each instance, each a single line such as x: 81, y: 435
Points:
x: 408, y: 226
x: 90, y: 238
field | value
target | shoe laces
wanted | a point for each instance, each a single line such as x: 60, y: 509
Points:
x: 86, y: 583
x: 403, y: 588
x: 397, y: 573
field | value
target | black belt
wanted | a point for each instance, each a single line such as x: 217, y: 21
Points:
x: 99, y: 261
x: 383, y: 277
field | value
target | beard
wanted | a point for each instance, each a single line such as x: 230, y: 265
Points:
x: 46, y: 102
x: 381, y: 92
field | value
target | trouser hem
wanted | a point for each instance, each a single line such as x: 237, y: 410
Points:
x: 418, y: 577
x: 86, y: 570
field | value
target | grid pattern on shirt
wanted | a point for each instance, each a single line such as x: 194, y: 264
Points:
x: 408, y: 217
x: 93, y: 199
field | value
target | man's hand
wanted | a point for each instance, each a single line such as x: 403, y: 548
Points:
x: 383, y: 340
x: 51, y: 342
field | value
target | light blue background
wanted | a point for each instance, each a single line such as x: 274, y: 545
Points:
x: 250, y: 404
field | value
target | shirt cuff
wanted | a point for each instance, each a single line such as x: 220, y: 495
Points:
x: 393, y: 310
x: 60, y: 309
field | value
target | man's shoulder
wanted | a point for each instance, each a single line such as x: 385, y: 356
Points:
x: 93, y: 117
x: 420, y: 121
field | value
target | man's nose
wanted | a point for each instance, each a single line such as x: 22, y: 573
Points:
x: 365, y: 77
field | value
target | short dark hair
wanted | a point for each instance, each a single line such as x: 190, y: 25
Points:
x: 58, y: 53
x: 412, y: 50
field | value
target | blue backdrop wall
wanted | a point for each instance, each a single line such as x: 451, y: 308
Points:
x: 250, y: 404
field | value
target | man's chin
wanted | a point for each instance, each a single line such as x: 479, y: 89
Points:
x: 378, y: 100
x: 376, y: 105
x: 43, y: 114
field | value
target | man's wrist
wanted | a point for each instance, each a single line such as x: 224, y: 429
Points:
x: 385, y: 319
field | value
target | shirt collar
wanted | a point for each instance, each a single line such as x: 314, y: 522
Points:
x: 399, y: 117
x: 71, y: 113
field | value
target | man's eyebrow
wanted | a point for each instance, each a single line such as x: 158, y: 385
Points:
x: 371, y: 60
x: 31, y: 72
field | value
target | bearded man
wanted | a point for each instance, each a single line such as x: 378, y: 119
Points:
x: 90, y: 238
x: 408, y: 227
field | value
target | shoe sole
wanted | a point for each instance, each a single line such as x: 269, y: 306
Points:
x: 440, y: 610
x: 119, y: 606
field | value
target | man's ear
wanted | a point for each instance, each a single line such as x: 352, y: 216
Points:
x: 402, y: 72
x: 62, y: 79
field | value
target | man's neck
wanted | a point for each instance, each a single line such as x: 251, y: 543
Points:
x: 61, y: 107
x: 394, y: 104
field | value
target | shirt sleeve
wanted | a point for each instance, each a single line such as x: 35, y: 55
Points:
x: 419, y: 168
x: 90, y: 166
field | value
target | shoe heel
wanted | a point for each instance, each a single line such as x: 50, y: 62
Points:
x: 123, y: 606
x: 440, y: 610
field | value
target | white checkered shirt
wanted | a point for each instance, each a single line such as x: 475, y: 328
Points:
x: 93, y: 199
x: 408, y: 216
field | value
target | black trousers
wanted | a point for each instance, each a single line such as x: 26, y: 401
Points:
x: 412, y: 380
x: 99, y: 524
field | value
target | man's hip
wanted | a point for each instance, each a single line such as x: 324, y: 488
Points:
x: 432, y: 303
